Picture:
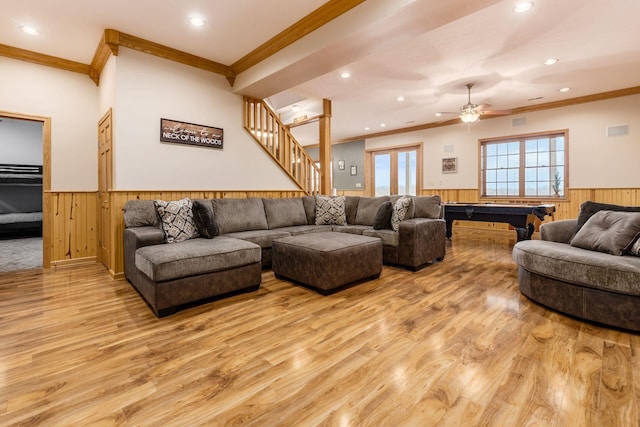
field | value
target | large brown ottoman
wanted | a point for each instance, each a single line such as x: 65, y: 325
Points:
x: 327, y: 261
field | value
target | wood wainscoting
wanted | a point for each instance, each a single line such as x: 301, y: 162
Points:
x: 73, y: 215
x: 72, y: 224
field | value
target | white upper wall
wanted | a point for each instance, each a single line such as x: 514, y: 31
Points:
x: 147, y: 89
x: 71, y: 101
x: 595, y: 160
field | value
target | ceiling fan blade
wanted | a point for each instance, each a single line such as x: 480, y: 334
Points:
x: 482, y: 107
x: 450, y: 112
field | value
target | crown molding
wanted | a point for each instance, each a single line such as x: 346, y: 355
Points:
x: 42, y: 59
x: 111, y: 41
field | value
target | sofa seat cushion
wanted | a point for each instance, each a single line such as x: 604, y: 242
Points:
x: 195, y: 256
x: 388, y: 237
x: 304, y: 229
x: 352, y: 229
x: 563, y: 262
x: 262, y: 238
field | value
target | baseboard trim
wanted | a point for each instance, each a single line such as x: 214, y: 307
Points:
x: 65, y: 263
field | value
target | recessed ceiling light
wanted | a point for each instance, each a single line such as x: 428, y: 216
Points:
x: 438, y: 114
x: 196, y: 21
x: 400, y: 98
x: 523, y: 7
x: 382, y: 125
x: 345, y: 75
x: 367, y: 128
x: 551, y: 61
x: 295, y: 108
x: 565, y: 89
x: 30, y: 30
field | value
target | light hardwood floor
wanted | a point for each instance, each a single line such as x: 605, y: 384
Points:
x: 455, y: 344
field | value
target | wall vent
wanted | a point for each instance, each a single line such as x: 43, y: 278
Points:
x: 618, y: 130
x: 520, y: 121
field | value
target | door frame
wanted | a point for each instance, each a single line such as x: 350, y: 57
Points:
x: 102, y: 228
x: 46, y: 180
x: 369, y: 165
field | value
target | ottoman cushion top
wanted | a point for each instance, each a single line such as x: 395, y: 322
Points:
x: 327, y: 242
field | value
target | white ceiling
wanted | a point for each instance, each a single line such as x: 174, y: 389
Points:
x: 423, y: 50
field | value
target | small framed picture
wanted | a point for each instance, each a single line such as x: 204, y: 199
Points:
x: 449, y: 165
x: 354, y: 170
x: 341, y: 165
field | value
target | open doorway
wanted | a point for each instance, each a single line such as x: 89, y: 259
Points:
x: 22, y: 184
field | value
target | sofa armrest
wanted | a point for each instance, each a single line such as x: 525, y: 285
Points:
x: 137, y: 237
x: 421, y: 241
x: 561, y: 231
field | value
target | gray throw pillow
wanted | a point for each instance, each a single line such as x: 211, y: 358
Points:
x: 204, y: 218
x: 177, y: 220
x: 330, y: 211
x: 609, y: 232
x: 588, y: 208
x: 383, y: 216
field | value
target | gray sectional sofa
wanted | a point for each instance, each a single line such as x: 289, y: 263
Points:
x: 170, y: 275
x: 578, y: 276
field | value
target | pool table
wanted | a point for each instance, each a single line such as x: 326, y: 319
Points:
x: 521, y: 217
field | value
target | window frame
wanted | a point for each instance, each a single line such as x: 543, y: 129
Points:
x: 521, y: 138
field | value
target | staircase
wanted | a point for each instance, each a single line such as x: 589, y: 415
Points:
x: 276, y: 139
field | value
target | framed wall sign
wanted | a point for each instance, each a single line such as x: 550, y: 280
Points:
x: 354, y: 170
x: 341, y: 165
x: 449, y: 165
x: 190, y: 134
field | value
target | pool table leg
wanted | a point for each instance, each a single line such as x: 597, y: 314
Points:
x: 525, y: 233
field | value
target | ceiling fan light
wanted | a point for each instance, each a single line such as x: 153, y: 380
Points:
x: 469, y: 116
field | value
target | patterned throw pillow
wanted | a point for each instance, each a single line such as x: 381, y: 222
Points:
x: 400, y: 211
x: 330, y: 210
x: 177, y: 220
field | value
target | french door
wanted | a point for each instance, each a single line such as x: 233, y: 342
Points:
x: 395, y: 170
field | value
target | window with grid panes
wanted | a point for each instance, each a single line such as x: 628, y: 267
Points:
x: 532, y: 165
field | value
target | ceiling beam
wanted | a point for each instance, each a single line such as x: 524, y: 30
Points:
x: 316, y: 19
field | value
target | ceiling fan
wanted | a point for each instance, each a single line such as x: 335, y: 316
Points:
x: 470, y: 113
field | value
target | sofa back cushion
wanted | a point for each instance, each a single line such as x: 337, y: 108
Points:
x: 284, y: 212
x: 234, y: 215
x: 368, y: 208
x: 140, y: 213
x: 427, y: 207
x: 351, y: 208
